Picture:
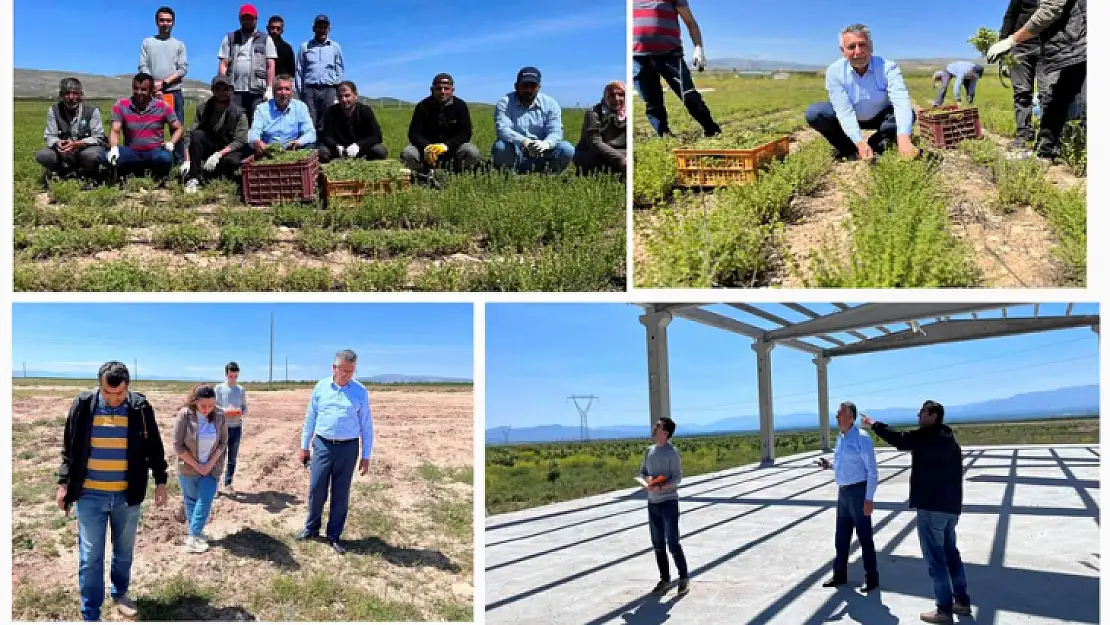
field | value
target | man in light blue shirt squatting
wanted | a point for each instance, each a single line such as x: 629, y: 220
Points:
x: 857, y: 476
x: 530, y: 128
x: 319, y: 71
x: 966, y: 73
x: 338, y: 416
x: 865, y: 92
x: 282, y: 120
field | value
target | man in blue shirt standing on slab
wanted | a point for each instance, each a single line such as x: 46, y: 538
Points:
x: 967, y: 75
x: 866, y: 92
x: 857, y: 476
x: 319, y: 71
x: 338, y: 417
x: 530, y: 128
x: 282, y: 120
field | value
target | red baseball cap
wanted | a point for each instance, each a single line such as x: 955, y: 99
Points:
x: 248, y: 9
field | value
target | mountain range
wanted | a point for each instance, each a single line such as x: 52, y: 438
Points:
x: 1069, y: 401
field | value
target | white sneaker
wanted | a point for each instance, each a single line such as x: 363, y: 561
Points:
x: 126, y: 607
x: 195, y: 544
x: 192, y: 186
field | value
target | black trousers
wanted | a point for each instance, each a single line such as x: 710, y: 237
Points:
x: 1026, y: 75
x: 849, y: 516
x: 1055, y: 115
x: 201, y: 147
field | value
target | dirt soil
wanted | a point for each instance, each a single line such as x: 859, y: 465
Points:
x: 409, y: 531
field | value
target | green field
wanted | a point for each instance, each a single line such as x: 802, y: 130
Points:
x: 483, y: 232
x: 526, y: 476
x: 955, y: 218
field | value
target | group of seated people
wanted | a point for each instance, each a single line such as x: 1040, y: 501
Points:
x: 528, y: 124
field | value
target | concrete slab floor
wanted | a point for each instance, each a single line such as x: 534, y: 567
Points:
x: 759, y: 542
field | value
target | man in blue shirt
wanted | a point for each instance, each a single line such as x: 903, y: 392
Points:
x: 866, y: 92
x: 966, y: 73
x: 857, y: 476
x: 530, y: 128
x: 282, y: 120
x: 338, y: 417
x: 319, y: 71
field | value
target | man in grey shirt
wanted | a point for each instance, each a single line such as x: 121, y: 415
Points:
x: 74, y: 134
x: 662, y: 470
x: 164, y: 57
x: 249, y: 57
x: 232, y: 399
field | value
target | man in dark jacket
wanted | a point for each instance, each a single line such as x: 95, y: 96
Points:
x: 1061, y: 26
x: 286, y: 62
x: 217, y: 139
x: 936, y: 492
x: 74, y: 134
x: 109, y: 445
x: 350, y: 129
x: 1028, y: 67
x: 440, y: 129
x: 602, y: 144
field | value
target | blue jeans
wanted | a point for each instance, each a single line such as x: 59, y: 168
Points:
x: 937, y: 533
x: 179, y: 110
x: 198, y: 491
x: 505, y: 155
x: 849, y: 516
x: 234, y: 435
x: 95, y: 512
x: 333, y: 464
x: 648, y: 69
x: 663, y: 522
x: 968, y: 85
x: 822, y: 118
x: 158, y: 161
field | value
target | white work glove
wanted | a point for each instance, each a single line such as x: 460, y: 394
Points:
x: 532, y: 147
x: 185, y: 167
x: 113, y: 155
x: 212, y: 162
x: 699, y: 58
x: 352, y: 150
x: 269, y: 95
x: 169, y: 146
x: 1002, y: 47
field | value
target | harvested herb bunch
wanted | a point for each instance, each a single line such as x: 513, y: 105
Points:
x: 276, y: 154
x: 359, y: 169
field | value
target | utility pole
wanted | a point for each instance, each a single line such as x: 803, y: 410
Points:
x: 287, y: 369
x: 505, y: 432
x: 271, y: 350
x: 136, y: 374
x: 24, y: 369
x: 583, y: 413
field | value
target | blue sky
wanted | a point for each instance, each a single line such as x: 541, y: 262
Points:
x: 537, y: 355
x: 778, y: 31
x: 197, y: 340
x: 391, y: 48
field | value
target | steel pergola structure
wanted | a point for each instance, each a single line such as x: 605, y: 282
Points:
x: 847, y: 330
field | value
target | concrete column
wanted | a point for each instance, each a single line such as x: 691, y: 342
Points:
x: 766, y: 402
x: 659, y: 379
x: 823, y: 399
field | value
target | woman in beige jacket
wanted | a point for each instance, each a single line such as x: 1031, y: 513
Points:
x: 200, y: 441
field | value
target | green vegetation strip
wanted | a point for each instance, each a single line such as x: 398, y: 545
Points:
x: 359, y: 169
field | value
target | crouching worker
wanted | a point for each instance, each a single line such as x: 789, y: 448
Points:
x: 217, y: 139
x: 440, y: 130
x: 661, y: 461
x: 142, y: 120
x: 965, y: 74
x: 530, y: 129
x: 200, y: 441
x: 74, y: 134
x: 282, y: 121
x: 350, y: 129
x: 602, y: 146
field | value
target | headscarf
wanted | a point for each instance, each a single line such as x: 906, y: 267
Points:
x: 606, y: 105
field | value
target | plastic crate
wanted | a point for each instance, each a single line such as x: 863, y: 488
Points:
x: 947, y: 126
x: 718, y: 168
x: 354, y: 190
x: 287, y: 182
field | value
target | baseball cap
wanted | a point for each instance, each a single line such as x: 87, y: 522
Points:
x: 321, y: 18
x: 248, y: 9
x: 443, y: 77
x: 221, y: 80
x: 528, y: 75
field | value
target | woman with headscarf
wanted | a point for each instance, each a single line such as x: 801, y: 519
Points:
x: 200, y: 441
x: 602, y: 146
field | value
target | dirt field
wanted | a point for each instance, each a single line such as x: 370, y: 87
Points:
x: 409, y: 531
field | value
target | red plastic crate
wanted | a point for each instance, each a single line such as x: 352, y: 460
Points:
x: 718, y: 168
x: 288, y: 182
x: 947, y: 126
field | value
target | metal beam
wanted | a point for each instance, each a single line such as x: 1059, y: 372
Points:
x: 766, y: 402
x: 870, y: 315
x: 729, y: 324
x: 964, y: 330
x: 773, y: 318
x: 659, y: 379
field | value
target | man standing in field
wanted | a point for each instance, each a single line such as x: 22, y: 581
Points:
x: 936, y: 492
x: 164, y: 57
x: 74, y: 134
x: 286, y: 62
x: 530, y: 128
x: 662, y: 470
x: 217, y: 139
x: 338, y: 417
x: 110, y: 443
x: 142, y: 121
x: 1027, y: 72
x: 657, y: 54
x: 248, y: 57
x: 232, y: 399
x: 865, y: 92
x: 440, y: 131
x: 857, y: 476
x: 282, y: 120
x: 966, y: 75
x: 351, y: 129
x: 319, y: 71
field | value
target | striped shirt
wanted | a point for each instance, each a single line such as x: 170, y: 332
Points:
x: 108, y: 449
x: 655, y: 27
x: 143, y: 131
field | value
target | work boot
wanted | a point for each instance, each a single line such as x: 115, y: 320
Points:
x: 126, y: 606
x: 683, y: 586
x: 959, y: 608
x: 661, y: 588
x: 936, y: 616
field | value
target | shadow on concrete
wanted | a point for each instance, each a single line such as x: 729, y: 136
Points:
x: 652, y: 610
x: 860, y: 608
x: 271, y: 501
x: 401, y: 556
x: 188, y: 607
x: 255, y: 545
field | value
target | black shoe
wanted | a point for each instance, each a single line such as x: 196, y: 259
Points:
x: 683, y: 586
x: 834, y: 581
x: 661, y: 588
x: 307, y: 535
x: 846, y: 157
x: 339, y: 549
x: 869, y: 586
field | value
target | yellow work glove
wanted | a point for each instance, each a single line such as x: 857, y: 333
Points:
x: 433, y: 152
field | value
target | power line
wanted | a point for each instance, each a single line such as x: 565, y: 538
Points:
x: 583, y: 413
